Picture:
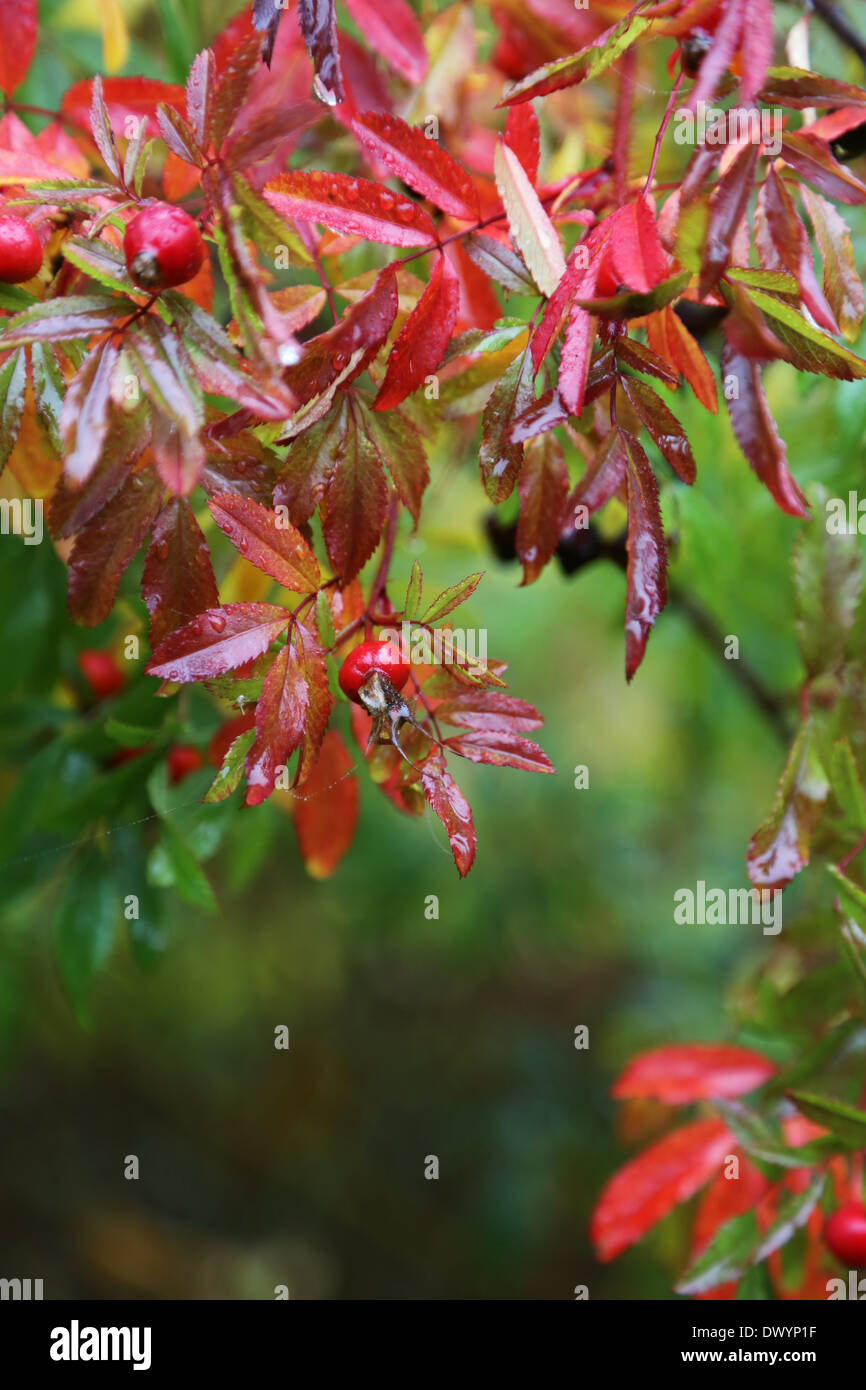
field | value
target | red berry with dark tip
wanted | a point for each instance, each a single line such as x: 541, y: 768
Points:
x: 182, y: 760
x: 163, y: 247
x: 372, y: 656
x: 101, y: 672
x: 20, y: 250
x: 845, y: 1234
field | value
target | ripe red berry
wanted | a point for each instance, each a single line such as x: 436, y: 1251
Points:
x: 163, y: 247
x: 845, y: 1234
x: 20, y: 250
x: 101, y: 672
x: 182, y: 760
x: 372, y: 656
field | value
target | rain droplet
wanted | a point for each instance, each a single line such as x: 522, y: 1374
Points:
x: 162, y: 550
x: 352, y: 190
x: 218, y: 622
x: 324, y: 93
x: 173, y: 675
x: 386, y: 199
x: 406, y: 212
x: 340, y: 360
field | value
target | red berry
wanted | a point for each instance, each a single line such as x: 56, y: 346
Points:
x: 20, y: 250
x: 182, y: 760
x: 163, y: 247
x: 372, y: 656
x: 101, y: 672
x: 845, y: 1234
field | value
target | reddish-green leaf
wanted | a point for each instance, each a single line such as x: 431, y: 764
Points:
x: 391, y: 29
x: 235, y: 79
x: 355, y: 503
x: 200, y: 93
x: 400, y: 449
x: 84, y: 417
x: 489, y: 709
x: 318, y: 22
x: 665, y: 429
x: 280, y: 715
x: 580, y: 333
x: 13, y: 395
x: 104, y: 549
x: 419, y: 161
x: 543, y: 488
x: 780, y: 848
x: 344, y: 351
x: 499, y: 263
x: 647, y: 555
x: 326, y: 813
x: 800, y: 89
x: 728, y: 206
x: 805, y: 346
x: 501, y: 749
x: 452, y: 808
x: 267, y: 540
x: 671, y: 340
x: 123, y: 96
x: 842, y: 284
x: 589, y: 62
x: 311, y: 660
x: 500, y: 458
x: 422, y: 340
x: 75, y: 316
x: 783, y: 244
x: 177, y: 135
x: 756, y: 433
x: 645, y: 1190
x: 534, y: 234
x: 686, y: 1072
x: 355, y: 207
x: 810, y: 157
x: 18, y: 25
x: 451, y: 598
x: 311, y: 460
x: 605, y: 474
x: 263, y: 137
x: 100, y: 126
x: 217, y: 641
x: 178, y: 580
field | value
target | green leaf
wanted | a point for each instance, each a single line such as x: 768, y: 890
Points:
x: 413, y: 592
x: 852, y: 895
x: 773, y: 281
x: 634, y: 304
x: 186, y: 874
x: 578, y: 67
x: 451, y: 598
x: 846, y: 785
x: 85, y: 926
x: 13, y: 393
x: 49, y: 390
x: 229, y: 776
x: 75, y: 316
x: 737, y: 1246
x: 100, y: 261
x: 809, y: 349
x: 845, y: 1121
x: 763, y: 1140
x: 265, y: 226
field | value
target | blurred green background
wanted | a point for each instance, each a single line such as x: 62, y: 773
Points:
x: 409, y: 1037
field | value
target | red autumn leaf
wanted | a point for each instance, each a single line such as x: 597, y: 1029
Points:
x: 18, y: 25
x: 354, y: 504
x: 668, y: 336
x: 664, y: 428
x: 783, y: 244
x: 521, y: 135
x: 604, y: 476
x: 578, y: 281
x: 84, y: 416
x: 106, y: 546
x: 217, y: 641
x: 500, y: 749
x: 391, y: 29
x: 580, y: 333
x: 811, y: 159
x: 543, y: 488
x: 344, y: 351
x: 500, y: 458
x: 123, y: 96
x: 647, y: 556
x: 726, y: 40
x: 842, y: 284
x: 725, y: 1198
x: 452, y: 808
x: 728, y: 206
x: 756, y: 433
x: 633, y: 254
x: 399, y: 446
x: 354, y: 207
x: 178, y: 579
x: 311, y: 659
x: 419, y: 161
x: 757, y: 48
x: 682, y: 1073
x: 280, y: 715
x: 326, y: 813
x: 644, y: 1191
x: 318, y: 22
x: 422, y: 340
x: 488, y: 709
x: 267, y: 540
